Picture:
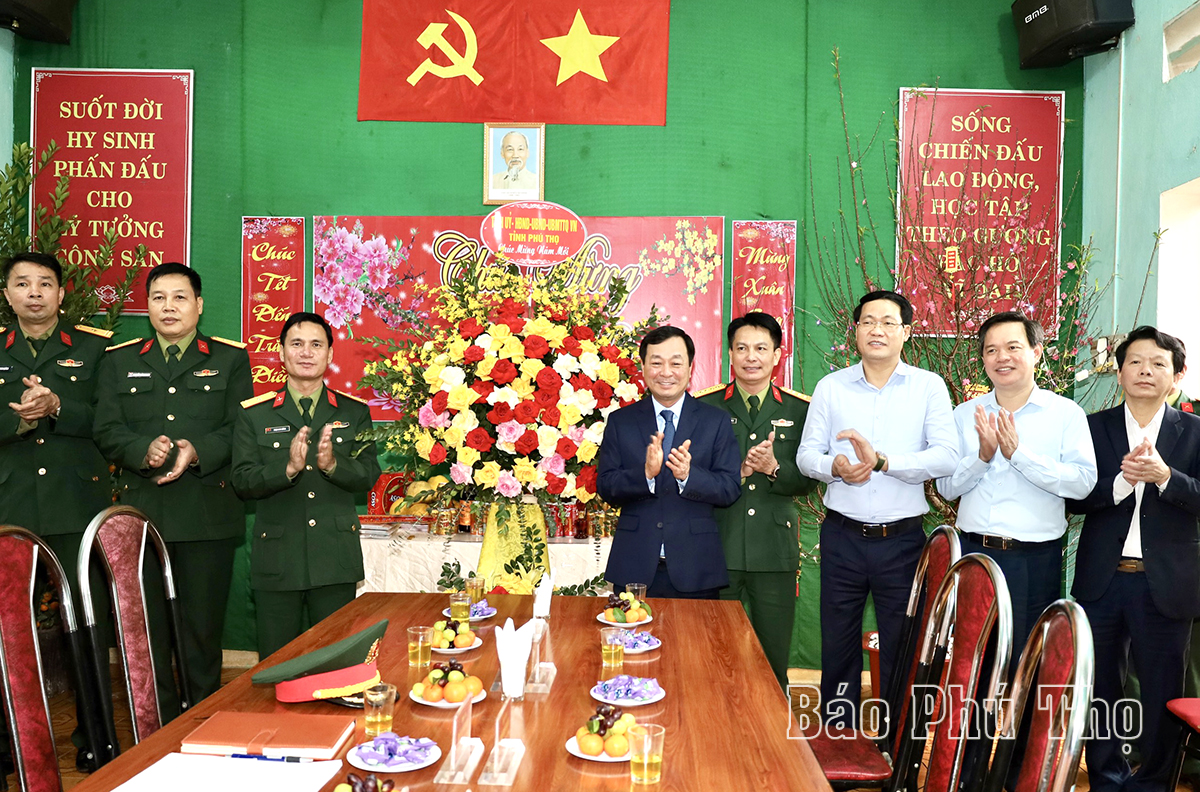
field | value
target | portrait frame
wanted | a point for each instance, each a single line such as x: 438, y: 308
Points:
x: 493, y: 163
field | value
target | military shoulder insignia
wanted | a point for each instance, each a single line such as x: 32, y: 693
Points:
x: 259, y: 399
x: 349, y: 396
x: 227, y: 342
x: 96, y: 331
x: 123, y: 345
x: 707, y: 391
x: 797, y: 394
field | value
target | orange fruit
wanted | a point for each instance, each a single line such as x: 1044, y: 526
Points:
x: 590, y: 744
x: 433, y: 693
x: 635, y: 614
x: 581, y: 733
x: 608, y: 614
x: 616, y: 745
x: 455, y: 692
x: 463, y: 641
x: 474, y: 685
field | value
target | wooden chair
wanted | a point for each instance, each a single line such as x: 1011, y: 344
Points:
x: 971, y: 601
x: 26, y: 708
x: 1055, y: 671
x: 121, y: 535
x: 849, y: 758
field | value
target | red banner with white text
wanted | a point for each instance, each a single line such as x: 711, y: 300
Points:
x: 125, y: 142
x: 587, y: 62
x: 764, y: 279
x: 272, y: 290
x: 365, y: 270
x: 979, y: 206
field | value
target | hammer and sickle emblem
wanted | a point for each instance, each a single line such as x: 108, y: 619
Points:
x: 461, y: 64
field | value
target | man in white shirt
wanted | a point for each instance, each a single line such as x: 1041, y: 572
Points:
x: 1024, y: 450
x: 875, y: 432
x: 1137, y: 571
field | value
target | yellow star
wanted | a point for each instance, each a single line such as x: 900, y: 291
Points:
x: 579, y: 51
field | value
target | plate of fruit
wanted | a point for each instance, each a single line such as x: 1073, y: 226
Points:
x: 602, y: 738
x: 624, y: 608
x: 624, y: 690
x: 446, y: 686
x: 479, y: 611
x: 452, y: 638
x: 391, y: 753
x: 639, y: 642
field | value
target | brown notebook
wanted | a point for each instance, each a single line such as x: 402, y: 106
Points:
x: 273, y: 734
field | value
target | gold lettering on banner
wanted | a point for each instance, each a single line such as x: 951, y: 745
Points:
x: 274, y: 282
x: 274, y: 375
x: 258, y: 342
x: 270, y: 313
x: 462, y: 64
x: 764, y: 256
x: 266, y: 251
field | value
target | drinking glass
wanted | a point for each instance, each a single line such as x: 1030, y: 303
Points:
x: 420, y: 646
x: 612, y: 646
x: 379, y: 703
x: 460, y: 606
x: 646, y: 752
x: 475, y: 589
x: 638, y: 590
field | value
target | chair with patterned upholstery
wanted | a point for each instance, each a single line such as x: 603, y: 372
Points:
x: 1060, y: 658
x: 849, y: 758
x: 972, y: 601
x: 121, y: 535
x: 26, y: 708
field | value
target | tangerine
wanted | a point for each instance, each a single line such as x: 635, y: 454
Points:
x: 616, y: 745
x: 455, y: 692
x: 474, y: 685
x: 464, y: 640
x: 590, y: 744
x: 433, y: 693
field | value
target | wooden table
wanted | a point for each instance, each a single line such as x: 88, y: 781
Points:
x: 727, y: 722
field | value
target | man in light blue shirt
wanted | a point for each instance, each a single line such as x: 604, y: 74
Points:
x: 875, y: 432
x: 1024, y: 450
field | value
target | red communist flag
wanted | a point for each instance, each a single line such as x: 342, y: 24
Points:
x: 583, y: 62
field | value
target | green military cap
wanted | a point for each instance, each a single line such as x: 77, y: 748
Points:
x: 340, y: 669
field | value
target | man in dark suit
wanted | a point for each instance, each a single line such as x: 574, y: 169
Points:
x: 165, y: 412
x: 297, y: 453
x: 760, y: 531
x: 1137, y: 570
x: 667, y: 461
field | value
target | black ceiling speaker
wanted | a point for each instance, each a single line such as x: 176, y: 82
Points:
x: 1054, y: 32
x: 40, y: 20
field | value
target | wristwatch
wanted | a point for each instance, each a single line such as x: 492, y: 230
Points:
x: 880, y: 462
x: 774, y: 473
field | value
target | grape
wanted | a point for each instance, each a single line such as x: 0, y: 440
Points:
x: 617, y: 713
x: 609, y: 721
x: 356, y: 782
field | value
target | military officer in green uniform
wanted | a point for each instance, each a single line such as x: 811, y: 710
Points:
x: 296, y: 453
x: 760, y: 531
x: 165, y: 412
x: 54, y: 478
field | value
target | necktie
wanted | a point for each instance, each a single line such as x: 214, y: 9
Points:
x: 753, y: 409
x: 172, y: 353
x: 306, y: 403
x: 668, y: 433
x: 36, y: 345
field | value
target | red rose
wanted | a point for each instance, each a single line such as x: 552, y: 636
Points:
x: 549, y: 380
x: 470, y: 328
x: 438, y: 403
x: 527, y: 443
x: 581, y: 382
x: 603, y: 393
x: 437, y: 454
x: 536, y: 347
x: 572, y: 346
x: 557, y: 314
x: 515, y: 323
x: 545, y: 398
x: 501, y: 413
x: 566, y: 447
x: 610, y: 352
x: 525, y: 412
x: 584, y: 333
x: 628, y: 366
x: 551, y: 415
x: 586, y: 478
x: 504, y: 372
x: 555, y: 484
x: 479, y: 439
x: 484, y: 388
x: 474, y: 354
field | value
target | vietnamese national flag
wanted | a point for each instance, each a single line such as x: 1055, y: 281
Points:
x: 547, y: 61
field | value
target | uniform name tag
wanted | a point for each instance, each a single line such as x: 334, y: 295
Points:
x: 138, y: 375
x: 205, y: 373
x: 69, y: 363
x: 782, y: 422
x: 339, y: 425
x: 6, y: 368
x: 277, y: 429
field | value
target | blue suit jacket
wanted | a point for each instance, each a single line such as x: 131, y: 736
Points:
x: 684, y: 523
x: 1170, y: 529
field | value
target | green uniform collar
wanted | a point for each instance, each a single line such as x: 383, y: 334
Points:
x: 762, y: 395
x: 296, y: 397
x: 183, y: 344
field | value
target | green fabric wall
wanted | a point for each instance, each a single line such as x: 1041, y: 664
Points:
x: 751, y: 99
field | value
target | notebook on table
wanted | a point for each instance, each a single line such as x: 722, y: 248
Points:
x: 271, y: 734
